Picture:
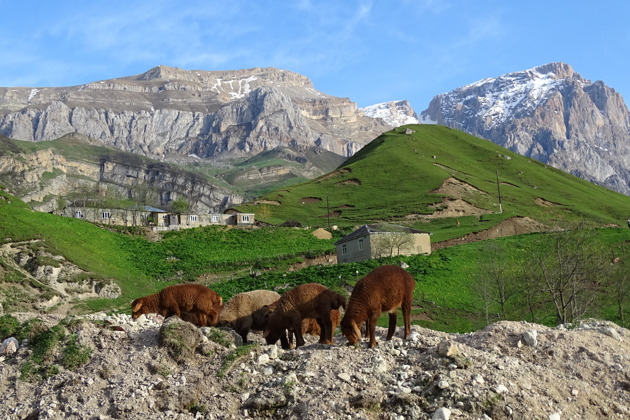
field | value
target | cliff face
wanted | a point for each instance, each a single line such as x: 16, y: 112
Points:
x: 549, y: 113
x: 39, y: 176
x: 210, y: 114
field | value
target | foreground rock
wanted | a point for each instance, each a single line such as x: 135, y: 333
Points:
x: 499, y: 372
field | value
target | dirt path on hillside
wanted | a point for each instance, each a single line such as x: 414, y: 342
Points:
x: 509, y: 227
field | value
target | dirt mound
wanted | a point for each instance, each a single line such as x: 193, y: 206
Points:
x: 322, y: 234
x: 453, y: 187
x: 512, y: 226
x: 508, y: 370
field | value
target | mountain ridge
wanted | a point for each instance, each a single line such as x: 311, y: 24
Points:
x: 550, y: 113
x: 167, y: 110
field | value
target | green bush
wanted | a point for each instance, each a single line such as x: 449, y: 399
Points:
x: 9, y: 326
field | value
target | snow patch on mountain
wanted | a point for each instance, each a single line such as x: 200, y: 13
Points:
x: 500, y: 99
x: 239, y: 91
x: 394, y: 113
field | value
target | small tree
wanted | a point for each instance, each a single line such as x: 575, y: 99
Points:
x: 618, y: 283
x: 570, y: 267
x: 391, y: 238
x: 180, y: 206
x: 496, y: 277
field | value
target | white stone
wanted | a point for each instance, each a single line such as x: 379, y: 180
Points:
x: 442, y: 413
x: 413, y: 336
x: 501, y: 389
x: 273, y: 352
x: 611, y: 332
x: 344, y: 377
x: 554, y: 416
x: 263, y: 359
x: 530, y: 337
x: 9, y: 346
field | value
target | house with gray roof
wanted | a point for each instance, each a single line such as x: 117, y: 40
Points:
x: 374, y: 241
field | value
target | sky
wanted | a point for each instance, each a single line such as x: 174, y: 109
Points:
x: 367, y: 50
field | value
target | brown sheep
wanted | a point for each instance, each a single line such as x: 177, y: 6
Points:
x: 200, y: 319
x: 202, y: 304
x: 247, y: 311
x: 311, y: 300
x: 384, y: 289
x: 312, y: 327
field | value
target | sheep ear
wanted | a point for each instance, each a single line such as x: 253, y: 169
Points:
x: 220, y: 301
x: 136, y: 307
x: 357, y: 331
x: 266, y: 333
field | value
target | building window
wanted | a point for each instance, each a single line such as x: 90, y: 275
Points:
x: 245, y: 218
x: 215, y: 218
x: 361, y: 243
x: 106, y: 215
x: 192, y: 217
x: 164, y: 216
x: 344, y: 250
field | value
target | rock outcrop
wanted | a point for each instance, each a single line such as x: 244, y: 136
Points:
x: 549, y: 113
x: 134, y: 371
x: 209, y: 114
x: 39, y: 176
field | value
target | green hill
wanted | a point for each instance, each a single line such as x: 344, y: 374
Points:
x: 397, y: 176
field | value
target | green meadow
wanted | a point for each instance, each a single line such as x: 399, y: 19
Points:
x: 394, y: 179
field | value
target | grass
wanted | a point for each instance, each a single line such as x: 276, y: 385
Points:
x: 361, y: 190
x: 233, y: 356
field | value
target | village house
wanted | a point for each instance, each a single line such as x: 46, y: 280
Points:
x: 160, y: 220
x: 371, y: 241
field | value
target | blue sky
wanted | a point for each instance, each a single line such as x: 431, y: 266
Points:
x: 369, y: 51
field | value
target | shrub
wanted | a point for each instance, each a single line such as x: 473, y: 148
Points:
x: 9, y: 326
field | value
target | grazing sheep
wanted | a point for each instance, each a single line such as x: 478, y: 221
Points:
x: 311, y: 300
x: 200, y: 319
x: 247, y: 311
x: 384, y: 289
x: 312, y: 327
x: 203, y: 305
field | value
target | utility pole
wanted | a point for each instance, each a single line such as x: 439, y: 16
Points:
x: 328, y: 211
x: 499, y: 189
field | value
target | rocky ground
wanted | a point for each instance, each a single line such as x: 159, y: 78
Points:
x: 172, y: 369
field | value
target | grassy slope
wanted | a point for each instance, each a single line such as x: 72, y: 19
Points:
x: 394, y: 175
x: 142, y: 267
x: 394, y: 162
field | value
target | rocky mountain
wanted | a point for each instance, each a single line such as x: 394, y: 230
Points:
x: 549, y: 113
x: 102, y: 366
x: 207, y: 114
x: 73, y: 167
x: 395, y: 113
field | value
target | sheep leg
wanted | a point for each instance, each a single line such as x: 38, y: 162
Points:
x: 243, y: 333
x: 325, y: 326
x: 297, y: 330
x: 372, y: 328
x: 406, y: 310
x: 290, y: 334
x: 392, y: 325
x: 284, y: 342
x: 243, y: 328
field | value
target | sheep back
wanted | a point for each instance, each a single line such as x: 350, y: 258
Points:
x: 384, y: 289
x: 174, y: 300
x: 248, y: 311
